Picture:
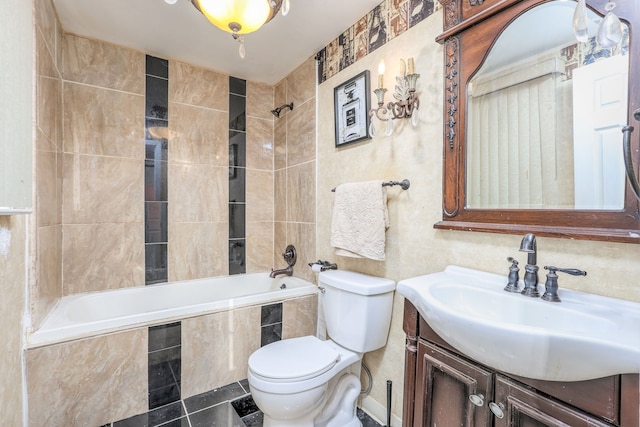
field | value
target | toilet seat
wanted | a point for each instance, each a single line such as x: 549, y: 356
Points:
x: 292, y: 360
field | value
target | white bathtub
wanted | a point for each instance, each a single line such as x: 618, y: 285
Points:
x: 91, y: 314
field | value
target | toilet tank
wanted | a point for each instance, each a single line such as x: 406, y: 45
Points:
x: 357, y: 309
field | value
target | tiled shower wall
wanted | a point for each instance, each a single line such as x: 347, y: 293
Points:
x: 295, y: 168
x: 102, y: 185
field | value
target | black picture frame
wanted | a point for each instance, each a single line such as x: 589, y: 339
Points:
x: 351, y: 108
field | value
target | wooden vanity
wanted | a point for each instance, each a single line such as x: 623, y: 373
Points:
x: 443, y: 388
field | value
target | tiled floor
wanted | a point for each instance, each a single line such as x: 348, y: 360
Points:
x: 229, y: 406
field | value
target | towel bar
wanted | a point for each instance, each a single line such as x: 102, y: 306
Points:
x: 404, y: 184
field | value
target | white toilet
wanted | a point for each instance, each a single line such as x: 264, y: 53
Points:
x: 307, y: 382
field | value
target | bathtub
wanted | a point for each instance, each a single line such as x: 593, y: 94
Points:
x: 91, y: 314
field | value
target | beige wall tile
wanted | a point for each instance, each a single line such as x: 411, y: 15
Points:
x: 102, y: 189
x: 259, y: 195
x: 259, y: 247
x: 259, y: 100
x: 45, y: 56
x: 280, y: 196
x: 302, y: 236
x: 301, y: 83
x: 48, y: 184
x: 200, y: 135
x: 89, y: 382
x: 99, y: 257
x: 259, y: 143
x: 48, y: 106
x: 280, y: 143
x: 13, y: 271
x: 103, y: 122
x: 301, y: 189
x: 193, y: 85
x: 280, y: 242
x: 46, y: 22
x: 280, y: 95
x: 301, y: 134
x: 299, y: 317
x: 97, y: 63
x: 198, y: 250
x: 216, y: 349
x: 47, y: 289
x: 198, y: 193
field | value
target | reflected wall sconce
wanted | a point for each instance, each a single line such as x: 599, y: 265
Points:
x: 406, y: 102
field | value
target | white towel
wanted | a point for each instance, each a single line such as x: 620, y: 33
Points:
x: 360, y: 219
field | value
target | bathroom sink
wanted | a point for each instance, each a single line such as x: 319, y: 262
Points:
x: 583, y: 337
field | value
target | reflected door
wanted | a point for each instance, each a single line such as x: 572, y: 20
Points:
x: 599, y: 112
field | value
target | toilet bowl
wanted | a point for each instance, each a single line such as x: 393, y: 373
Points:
x: 291, y: 380
x: 308, y: 382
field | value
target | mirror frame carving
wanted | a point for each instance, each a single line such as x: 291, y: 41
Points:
x: 470, y: 29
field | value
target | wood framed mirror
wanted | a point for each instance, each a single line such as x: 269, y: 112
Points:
x: 525, y: 149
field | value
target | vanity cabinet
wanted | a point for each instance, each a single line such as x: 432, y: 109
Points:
x: 444, y: 388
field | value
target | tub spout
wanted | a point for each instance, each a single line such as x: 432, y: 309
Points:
x: 290, y: 256
x: 287, y: 271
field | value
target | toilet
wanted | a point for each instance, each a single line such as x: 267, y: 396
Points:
x: 307, y: 382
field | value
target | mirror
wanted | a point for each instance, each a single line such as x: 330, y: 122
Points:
x: 548, y: 163
x: 544, y: 117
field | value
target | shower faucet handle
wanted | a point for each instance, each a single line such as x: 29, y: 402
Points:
x: 290, y: 255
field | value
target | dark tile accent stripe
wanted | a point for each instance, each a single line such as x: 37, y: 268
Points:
x: 237, y: 175
x: 155, y: 170
x: 270, y: 323
x: 271, y: 313
x: 164, y: 364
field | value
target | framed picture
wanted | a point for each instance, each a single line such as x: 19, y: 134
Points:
x: 351, y: 103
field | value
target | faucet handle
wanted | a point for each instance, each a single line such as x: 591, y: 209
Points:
x: 571, y: 271
x: 551, y: 285
x: 514, y: 276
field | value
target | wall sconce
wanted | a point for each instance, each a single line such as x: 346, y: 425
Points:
x: 407, y: 100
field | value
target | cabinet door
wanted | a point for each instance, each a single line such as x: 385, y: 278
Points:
x: 522, y: 407
x: 446, y: 385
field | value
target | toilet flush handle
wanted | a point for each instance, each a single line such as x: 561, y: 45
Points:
x: 322, y: 290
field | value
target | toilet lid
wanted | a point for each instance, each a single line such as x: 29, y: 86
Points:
x: 293, y: 359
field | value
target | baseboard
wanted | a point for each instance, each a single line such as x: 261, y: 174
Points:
x: 378, y: 412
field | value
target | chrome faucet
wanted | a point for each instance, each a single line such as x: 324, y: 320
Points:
x: 529, y: 246
x: 290, y: 257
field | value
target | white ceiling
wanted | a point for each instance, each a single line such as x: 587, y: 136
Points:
x: 180, y: 32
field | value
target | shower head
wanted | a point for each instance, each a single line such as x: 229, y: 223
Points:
x: 276, y: 112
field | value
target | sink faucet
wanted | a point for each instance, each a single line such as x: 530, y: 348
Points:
x: 529, y: 246
x: 290, y: 257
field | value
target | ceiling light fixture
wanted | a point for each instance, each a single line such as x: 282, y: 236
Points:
x: 240, y: 17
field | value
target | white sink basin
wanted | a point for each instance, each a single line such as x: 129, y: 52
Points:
x: 583, y: 337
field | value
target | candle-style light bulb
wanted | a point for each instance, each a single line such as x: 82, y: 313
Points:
x: 381, y: 74
x: 410, y: 66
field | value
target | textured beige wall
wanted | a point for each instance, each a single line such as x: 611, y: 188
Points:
x: 13, y: 241
x: 413, y: 247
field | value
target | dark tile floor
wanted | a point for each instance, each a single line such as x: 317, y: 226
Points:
x: 229, y: 406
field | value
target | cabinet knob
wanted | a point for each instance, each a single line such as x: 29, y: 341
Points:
x: 497, y: 409
x: 477, y: 399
